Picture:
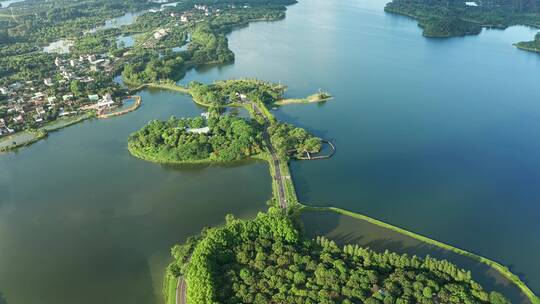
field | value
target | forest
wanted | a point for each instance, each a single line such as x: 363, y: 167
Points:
x: 236, y: 91
x: 533, y: 46
x: 185, y: 140
x: 442, y: 18
x: 290, y: 140
x: 267, y: 260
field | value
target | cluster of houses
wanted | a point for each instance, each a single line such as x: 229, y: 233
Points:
x: 33, y: 103
x: 84, y: 64
x: 25, y: 101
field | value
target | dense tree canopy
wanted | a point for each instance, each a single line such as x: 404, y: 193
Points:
x: 229, y: 138
x: 443, y: 18
x: 266, y: 260
x: 238, y: 90
x: 151, y: 68
x: 288, y: 139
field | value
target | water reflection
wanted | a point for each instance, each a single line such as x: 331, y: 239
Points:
x: 346, y: 230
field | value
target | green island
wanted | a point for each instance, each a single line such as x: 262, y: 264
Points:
x: 216, y: 137
x: 442, y: 19
x: 267, y: 260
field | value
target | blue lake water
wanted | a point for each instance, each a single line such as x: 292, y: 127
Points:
x: 436, y: 136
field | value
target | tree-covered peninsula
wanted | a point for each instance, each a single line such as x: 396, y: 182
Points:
x: 441, y: 18
x: 532, y: 46
x: 267, y: 260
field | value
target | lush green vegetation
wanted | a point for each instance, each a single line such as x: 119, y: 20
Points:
x: 182, y: 140
x: 266, y: 260
x: 98, y: 42
x: 440, y: 18
x: 504, y: 271
x: 236, y: 91
x: 288, y: 139
x: 44, y: 21
x: 150, y: 67
x: 168, y: 41
x: 533, y: 46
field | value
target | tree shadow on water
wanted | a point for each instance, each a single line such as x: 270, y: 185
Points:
x: 2, y: 299
x: 345, y: 230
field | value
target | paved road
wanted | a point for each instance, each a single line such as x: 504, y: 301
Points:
x: 181, y: 291
x: 278, y: 178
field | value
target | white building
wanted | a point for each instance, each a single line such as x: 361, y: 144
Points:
x: 204, y: 130
x: 48, y: 82
x: 40, y: 111
x: 160, y: 33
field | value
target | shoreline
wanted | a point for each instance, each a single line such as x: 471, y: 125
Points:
x: 500, y: 268
x: 138, y: 102
x: 202, y: 162
x: 71, y: 121
x: 38, y: 134
x: 41, y: 133
x: 525, y: 48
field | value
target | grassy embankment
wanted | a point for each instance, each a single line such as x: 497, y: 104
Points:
x: 29, y: 137
x: 313, y: 98
x: 525, y: 47
x: 32, y: 136
x: 503, y: 270
x: 169, y: 289
x: 290, y: 192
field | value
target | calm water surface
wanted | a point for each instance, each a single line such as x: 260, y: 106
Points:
x: 347, y: 230
x: 81, y: 221
x: 437, y: 136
